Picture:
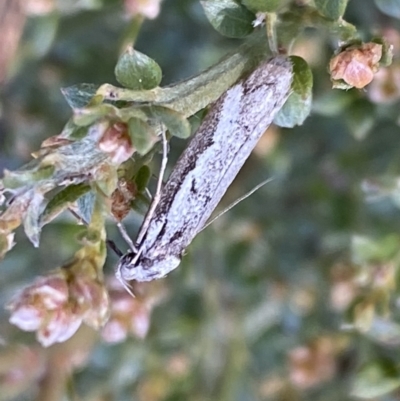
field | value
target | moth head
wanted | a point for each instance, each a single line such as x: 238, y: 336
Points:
x: 131, y: 267
x: 120, y: 273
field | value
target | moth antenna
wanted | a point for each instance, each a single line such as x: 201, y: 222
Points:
x: 124, y: 283
x: 237, y: 201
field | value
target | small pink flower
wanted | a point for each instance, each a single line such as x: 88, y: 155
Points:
x: 140, y: 324
x: 114, y: 331
x: 61, y: 326
x: 26, y: 317
x: 117, y: 143
x: 52, y: 290
x: 55, y: 306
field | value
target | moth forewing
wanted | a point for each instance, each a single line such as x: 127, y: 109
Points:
x: 207, y: 167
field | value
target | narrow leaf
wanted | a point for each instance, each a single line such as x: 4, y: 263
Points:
x: 16, y: 179
x: 62, y: 200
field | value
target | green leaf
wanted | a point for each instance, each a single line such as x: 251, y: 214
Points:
x: 32, y: 226
x: 142, y: 135
x: 142, y: 178
x: 80, y: 95
x: 137, y: 71
x: 376, y: 379
x: 331, y: 9
x: 88, y: 115
x: 86, y: 205
x: 229, y: 18
x: 176, y: 123
x: 266, y: 6
x: 62, y: 201
x: 389, y: 7
x: 298, y: 106
x: 19, y: 178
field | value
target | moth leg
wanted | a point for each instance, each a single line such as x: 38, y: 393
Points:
x: 157, y: 195
x: 111, y: 244
x: 126, y: 237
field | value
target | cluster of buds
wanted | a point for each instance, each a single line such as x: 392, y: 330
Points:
x: 130, y: 315
x: 56, y: 305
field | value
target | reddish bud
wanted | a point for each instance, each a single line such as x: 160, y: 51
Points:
x: 356, y: 65
x: 117, y: 143
x: 122, y: 198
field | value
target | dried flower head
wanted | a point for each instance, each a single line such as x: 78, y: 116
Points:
x: 56, y: 305
x: 122, y: 198
x: 355, y: 65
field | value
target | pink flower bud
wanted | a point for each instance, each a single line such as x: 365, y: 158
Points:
x: 117, y: 143
x: 356, y: 65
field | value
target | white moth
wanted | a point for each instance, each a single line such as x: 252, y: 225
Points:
x: 207, y: 168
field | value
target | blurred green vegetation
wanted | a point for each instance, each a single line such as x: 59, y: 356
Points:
x: 292, y: 295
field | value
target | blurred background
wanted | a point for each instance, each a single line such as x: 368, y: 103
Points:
x: 291, y: 295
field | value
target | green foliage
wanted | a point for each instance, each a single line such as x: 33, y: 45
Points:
x: 228, y: 17
x: 298, y: 106
x: 267, y: 6
x: 135, y: 70
x: 331, y: 9
x: 376, y: 379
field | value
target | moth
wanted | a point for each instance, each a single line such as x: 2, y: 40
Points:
x: 206, y: 169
